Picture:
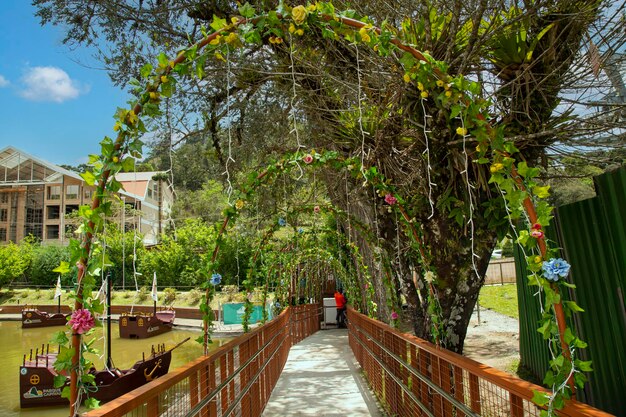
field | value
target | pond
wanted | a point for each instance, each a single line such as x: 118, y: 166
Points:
x: 15, y: 342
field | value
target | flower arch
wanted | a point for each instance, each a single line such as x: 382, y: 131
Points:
x: 455, y: 96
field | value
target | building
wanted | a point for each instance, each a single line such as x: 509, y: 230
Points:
x: 37, y: 198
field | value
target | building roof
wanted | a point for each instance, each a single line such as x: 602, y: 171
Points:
x: 136, y: 183
x: 19, y: 167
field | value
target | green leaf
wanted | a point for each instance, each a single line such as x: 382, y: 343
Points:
x: 200, y: 339
x: 247, y: 10
x: 408, y: 61
x: 584, y: 366
x: 66, y: 392
x: 64, y: 268
x: 218, y: 23
x: 542, y: 192
x: 59, y: 338
x: 573, y: 306
x: 89, y: 178
x: 540, y: 398
x: 59, y: 381
x: 92, y: 403
x: 146, y: 70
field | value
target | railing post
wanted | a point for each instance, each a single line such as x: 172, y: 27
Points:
x: 474, y: 393
x: 153, y: 407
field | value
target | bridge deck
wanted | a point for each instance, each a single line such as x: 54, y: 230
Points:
x: 322, y: 378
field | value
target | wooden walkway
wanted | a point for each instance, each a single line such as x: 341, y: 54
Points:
x: 322, y: 378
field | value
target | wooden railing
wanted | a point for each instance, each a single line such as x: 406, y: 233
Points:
x: 413, y: 377
x: 236, y: 379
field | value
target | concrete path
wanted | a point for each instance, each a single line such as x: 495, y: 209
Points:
x: 322, y: 378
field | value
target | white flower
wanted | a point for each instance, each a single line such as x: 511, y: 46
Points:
x: 429, y: 277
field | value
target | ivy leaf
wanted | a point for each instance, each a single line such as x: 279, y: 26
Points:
x: 247, y: 10
x: 585, y: 366
x: 200, y: 339
x: 66, y: 392
x: 408, y: 61
x: 64, y: 268
x: 92, y: 403
x: 542, y: 192
x: 59, y: 381
x: 59, y: 338
x: 540, y: 398
x: 573, y: 306
x: 89, y: 178
x: 218, y: 23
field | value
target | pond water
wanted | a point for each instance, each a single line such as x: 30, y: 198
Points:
x: 15, y: 342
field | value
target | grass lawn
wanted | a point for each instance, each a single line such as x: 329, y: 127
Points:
x: 128, y: 297
x: 500, y: 298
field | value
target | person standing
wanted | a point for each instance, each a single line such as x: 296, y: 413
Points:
x: 341, y: 301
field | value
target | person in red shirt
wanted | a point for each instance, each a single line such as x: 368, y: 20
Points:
x: 341, y: 301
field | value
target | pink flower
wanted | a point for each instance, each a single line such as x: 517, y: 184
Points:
x: 536, y: 226
x: 367, y: 286
x: 316, y: 209
x: 81, y: 321
x: 390, y: 199
x: 307, y: 158
x: 537, y: 234
x: 394, y: 315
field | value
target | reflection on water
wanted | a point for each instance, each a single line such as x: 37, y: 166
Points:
x: 15, y: 342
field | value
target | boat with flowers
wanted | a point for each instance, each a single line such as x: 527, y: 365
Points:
x: 141, y: 325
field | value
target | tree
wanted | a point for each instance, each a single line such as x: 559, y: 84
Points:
x: 352, y: 101
x: 14, y: 262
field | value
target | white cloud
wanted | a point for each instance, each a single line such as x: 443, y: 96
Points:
x: 49, y: 84
x: 3, y: 81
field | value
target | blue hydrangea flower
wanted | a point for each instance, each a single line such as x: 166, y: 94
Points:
x: 282, y: 222
x: 216, y: 279
x: 300, y: 230
x: 555, y: 268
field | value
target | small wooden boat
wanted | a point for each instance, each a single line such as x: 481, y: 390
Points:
x: 37, y: 375
x: 33, y: 317
x: 142, y: 325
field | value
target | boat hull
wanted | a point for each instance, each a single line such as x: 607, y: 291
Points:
x: 140, y: 326
x: 37, y: 318
x: 37, y: 381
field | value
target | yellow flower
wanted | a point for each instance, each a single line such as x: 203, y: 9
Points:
x: 116, y: 126
x: 424, y: 94
x: 478, y: 148
x: 216, y: 40
x: 448, y: 93
x: 153, y: 95
x: 115, y: 159
x: 312, y: 7
x: 220, y: 57
x: 439, y: 83
x: 232, y: 38
x: 163, y: 78
x: 496, y: 167
x: 420, y: 86
x: 537, y: 259
x: 234, y: 19
x: 275, y: 40
x: 298, y: 14
x: 299, y: 32
x: 365, y: 37
x: 172, y: 64
x: 239, y: 204
x: 461, y: 131
x: 407, y: 78
x: 131, y: 117
x: 292, y: 28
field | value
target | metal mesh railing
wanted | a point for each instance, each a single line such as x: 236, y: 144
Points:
x: 235, y: 380
x: 412, y: 377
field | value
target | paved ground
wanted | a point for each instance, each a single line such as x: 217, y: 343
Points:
x: 322, y: 378
x: 494, y: 341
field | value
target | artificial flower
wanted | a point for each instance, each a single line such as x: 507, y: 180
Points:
x: 316, y: 209
x: 448, y: 93
x: 439, y: 83
x: 429, y: 277
x: 298, y: 14
x: 239, y: 204
x: 537, y: 234
x: 81, y: 321
x: 308, y: 158
x: 282, y: 222
x: 394, y: 315
x: 365, y: 37
x: 461, y: 131
x: 216, y: 278
x: 555, y: 268
x: 496, y: 167
x: 406, y: 77
x: 424, y: 94
x: 390, y: 199
x: 536, y: 226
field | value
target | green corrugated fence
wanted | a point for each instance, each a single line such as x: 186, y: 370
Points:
x: 592, y: 235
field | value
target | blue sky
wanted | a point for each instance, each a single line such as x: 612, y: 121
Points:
x: 51, y: 106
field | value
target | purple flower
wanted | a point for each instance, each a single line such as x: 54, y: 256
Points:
x: 390, y: 199
x: 216, y: 279
x: 82, y: 321
x: 394, y: 315
x: 555, y: 268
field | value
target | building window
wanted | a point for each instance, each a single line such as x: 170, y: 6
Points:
x: 71, y: 192
x: 4, y: 215
x: 3, y: 234
x: 149, y: 191
x: 53, y: 212
x: 69, y: 208
x: 52, y: 231
x: 54, y: 192
x: 4, y: 198
x: 88, y: 194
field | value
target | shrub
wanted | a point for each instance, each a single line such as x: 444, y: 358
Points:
x: 50, y: 294
x: 143, y: 294
x: 231, y: 293
x: 127, y: 294
x: 44, y: 260
x: 193, y: 297
x: 169, y: 296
